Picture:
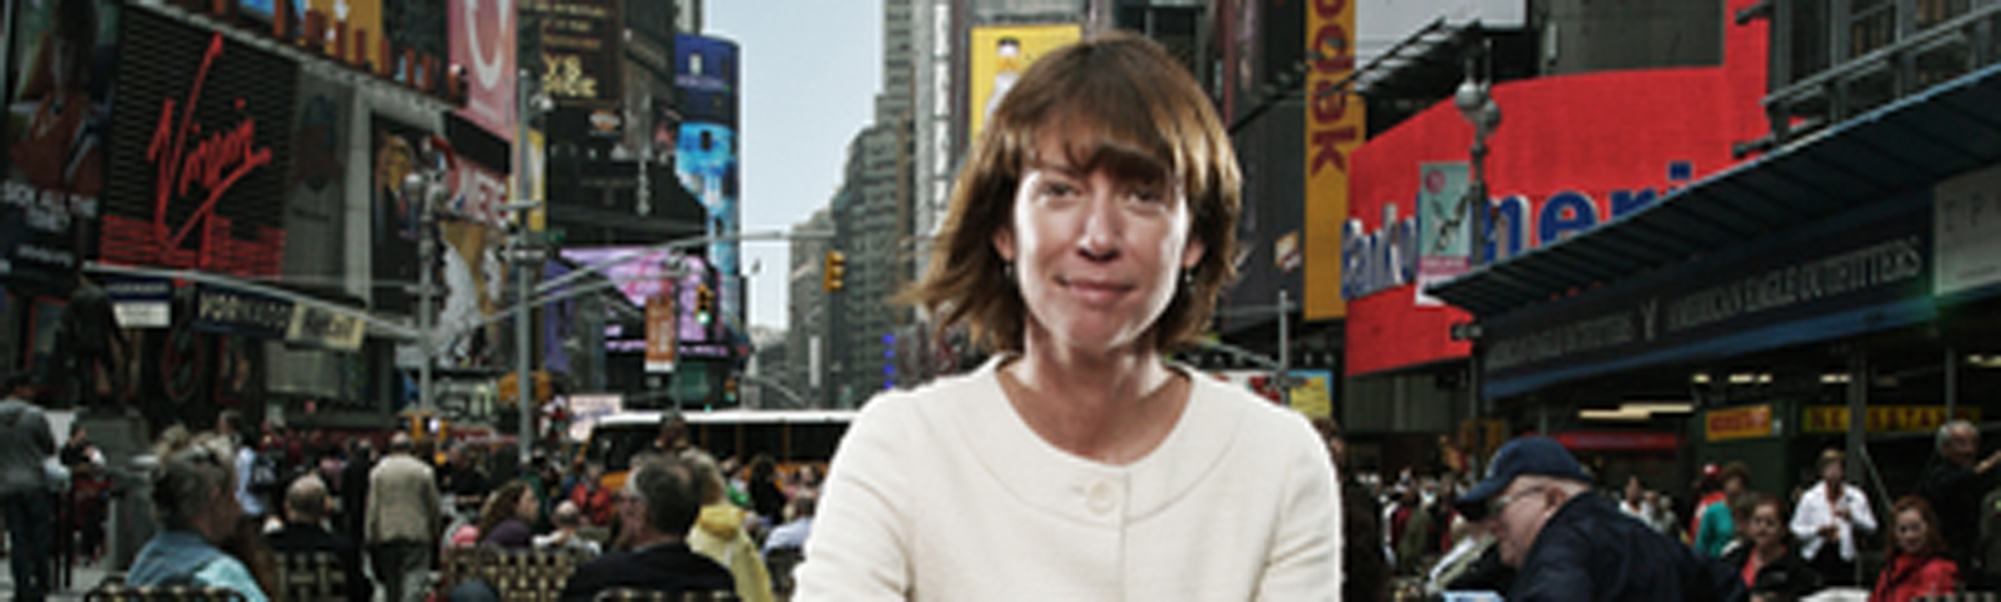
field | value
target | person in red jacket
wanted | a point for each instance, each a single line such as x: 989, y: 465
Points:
x: 591, y: 496
x: 1917, y: 566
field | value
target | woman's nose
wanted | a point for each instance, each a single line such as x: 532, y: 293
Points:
x: 1100, y: 238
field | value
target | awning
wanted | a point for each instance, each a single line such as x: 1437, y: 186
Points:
x: 1912, y: 143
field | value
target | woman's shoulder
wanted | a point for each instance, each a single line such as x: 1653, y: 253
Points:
x: 940, y: 397
x: 1939, y: 567
x: 1227, y: 399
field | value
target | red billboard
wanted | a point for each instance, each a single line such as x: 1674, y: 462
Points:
x: 482, y: 41
x: 1573, y: 152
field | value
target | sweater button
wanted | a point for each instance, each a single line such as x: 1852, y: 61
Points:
x: 1103, y: 497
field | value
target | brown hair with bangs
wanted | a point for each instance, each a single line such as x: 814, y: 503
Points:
x: 1123, y: 104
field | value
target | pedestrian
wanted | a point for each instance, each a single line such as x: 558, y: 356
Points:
x: 1915, y: 564
x: 402, y: 521
x: 1718, y: 528
x: 1569, y: 543
x: 26, y: 444
x: 1832, y: 515
x: 1089, y: 234
x: 305, y: 508
x: 567, y: 520
x: 194, y: 498
x: 1365, y: 569
x: 721, y: 533
x: 1955, y: 485
x: 506, y: 519
x: 656, y: 509
x: 354, y: 489
x: 1768, y: 562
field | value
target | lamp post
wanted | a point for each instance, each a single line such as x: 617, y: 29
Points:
x: 418, y: 188
x: 1476, y: 104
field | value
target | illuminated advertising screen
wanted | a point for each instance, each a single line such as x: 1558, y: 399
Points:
x: 55, y: 136
x: 1569, y: 156
x: 707, y: 155
x: 581, y: 50
x: 1000, y: 53
x: 640, y: 276
x: 201, y: 138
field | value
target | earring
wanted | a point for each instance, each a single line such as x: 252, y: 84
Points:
x: 1007, y: 271
x: 1187, y: 279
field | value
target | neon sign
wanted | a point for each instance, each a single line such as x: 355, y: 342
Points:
x: 191, y: 161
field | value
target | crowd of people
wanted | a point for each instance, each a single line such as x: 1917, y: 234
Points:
x: 230, y: 501
x: 1432, y: 534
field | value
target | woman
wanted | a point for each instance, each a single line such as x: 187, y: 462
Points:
x: 1830, y: 515
x: 1768, y: 564
x: 1718, y: 527
x: 719, y: 533
x: 765, y: 496
x: 194, y: 497
x: 1916, y: 565
x: 505, y: 519
x: 1089, y: 234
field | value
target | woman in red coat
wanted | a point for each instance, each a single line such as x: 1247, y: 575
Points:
x: 1916, y: 567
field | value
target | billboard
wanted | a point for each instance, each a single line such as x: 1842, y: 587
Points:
x: 643, y: 275
x: 707, y: 155
x: 63, y: 55
x: 999, y: 55
x: 318, y: 186
x: 201, y: 133
x: 395, y: 150
x: 482, y: 40
x: 1569, y: 156
x: 1335, y: 127
x: 581, y: 50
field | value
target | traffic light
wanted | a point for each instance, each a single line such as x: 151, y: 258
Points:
x: 834, y: 272
x: 705, y: 304
x: 730, y: 390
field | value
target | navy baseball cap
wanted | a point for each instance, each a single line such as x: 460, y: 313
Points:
x: 1536, y: 455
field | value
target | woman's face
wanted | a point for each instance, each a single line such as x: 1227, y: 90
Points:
x: 1912, y: 532
x: 1096, y: 256
x: 527, y: 508
x: 1764, y: 527
x: 1833, y: 472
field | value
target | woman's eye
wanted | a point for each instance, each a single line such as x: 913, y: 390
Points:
x: 1148, y: 195
x: 1057, y: 189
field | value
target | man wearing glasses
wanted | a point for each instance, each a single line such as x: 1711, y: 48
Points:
x: 656, y: 508
x: 1568, y: 543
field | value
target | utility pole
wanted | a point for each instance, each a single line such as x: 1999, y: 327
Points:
x: 526, y: 108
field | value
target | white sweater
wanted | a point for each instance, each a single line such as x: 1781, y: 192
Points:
x: 1814, y: 512
x: 944, y: 493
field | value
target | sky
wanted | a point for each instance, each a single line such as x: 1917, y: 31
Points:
x: 810, y: 72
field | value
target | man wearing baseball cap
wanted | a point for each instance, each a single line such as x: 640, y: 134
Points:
x: 1568, y: 543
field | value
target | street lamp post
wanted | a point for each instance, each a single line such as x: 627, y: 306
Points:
x: 1476, y: 104
x: 417, y: 188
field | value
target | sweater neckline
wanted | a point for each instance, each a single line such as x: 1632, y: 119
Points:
x: 1045, y: 476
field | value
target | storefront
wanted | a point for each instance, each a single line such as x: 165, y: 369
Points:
x: 1574, y: 154
x: 1839, y: 292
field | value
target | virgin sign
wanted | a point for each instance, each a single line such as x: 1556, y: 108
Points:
x: 482, y: 38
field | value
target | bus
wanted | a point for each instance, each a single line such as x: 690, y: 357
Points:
x: 792, y: 437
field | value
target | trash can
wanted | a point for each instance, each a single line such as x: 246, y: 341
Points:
x: 132, y: 522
